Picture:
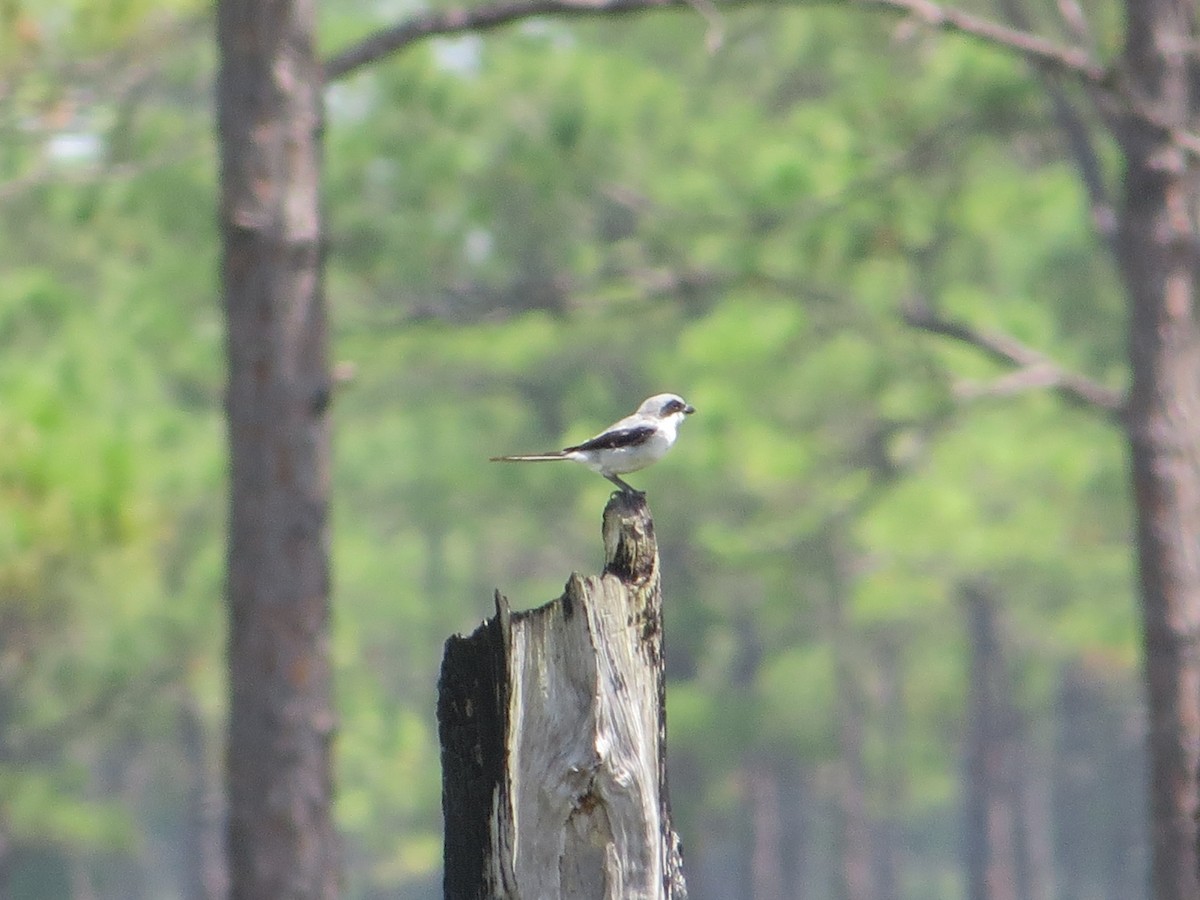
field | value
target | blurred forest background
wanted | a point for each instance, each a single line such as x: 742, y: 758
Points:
x: 899, y: 579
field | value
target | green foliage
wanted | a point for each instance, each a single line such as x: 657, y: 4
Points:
x: 528, y: 233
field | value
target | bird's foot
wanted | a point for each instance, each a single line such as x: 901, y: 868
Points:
x: 625, y: 487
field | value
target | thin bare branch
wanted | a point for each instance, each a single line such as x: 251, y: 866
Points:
x: 1076, y: 22
x: 1075, y: 62
x: 1074, y: 126
x: 440, y: 23
x: 1033, y: 368
x: 1057, y: 57
x: 1072, y: 60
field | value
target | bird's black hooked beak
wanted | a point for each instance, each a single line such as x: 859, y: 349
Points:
x: 688, y: 410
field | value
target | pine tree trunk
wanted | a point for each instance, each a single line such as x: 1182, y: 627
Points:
x: 204, y: 875
x: 766, y: 822
x: 858, y: 857
x: 990, y: 799
x: 1158, y: 252
x: 553, y: 730
x: 282, y: 844
x: 889, y: 841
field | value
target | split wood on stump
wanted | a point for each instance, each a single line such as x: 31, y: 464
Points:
x: 553, y: 732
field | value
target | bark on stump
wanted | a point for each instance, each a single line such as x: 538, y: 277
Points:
x: 553, y: 732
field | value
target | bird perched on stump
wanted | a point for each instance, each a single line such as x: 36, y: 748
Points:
x: 633, y: 443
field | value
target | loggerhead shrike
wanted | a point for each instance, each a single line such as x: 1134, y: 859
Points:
x: 625, y: 446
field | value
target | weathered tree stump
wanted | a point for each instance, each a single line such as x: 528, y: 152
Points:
x: 553, y: 732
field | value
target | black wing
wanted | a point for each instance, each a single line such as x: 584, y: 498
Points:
x: 616, y: 439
